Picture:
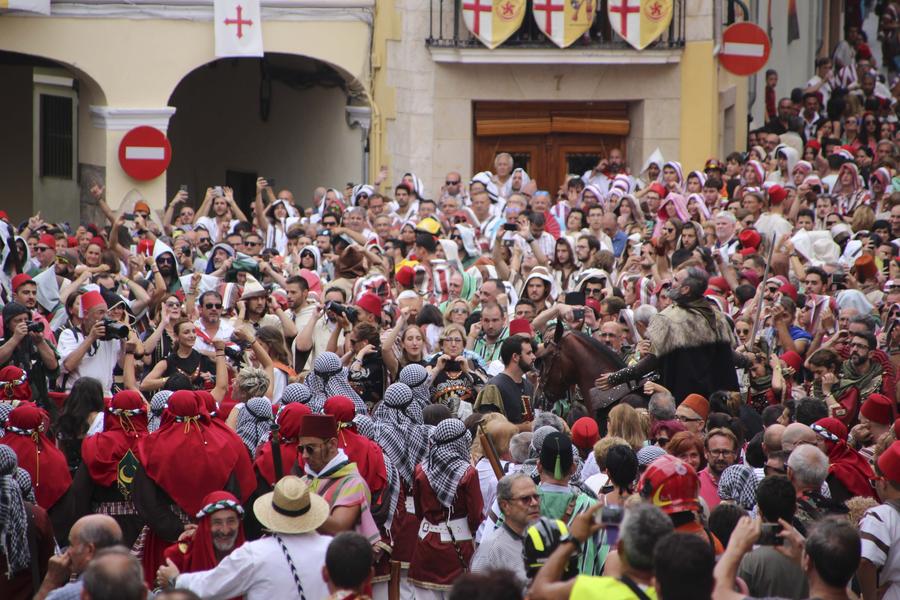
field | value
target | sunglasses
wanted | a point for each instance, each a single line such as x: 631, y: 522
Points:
x: 661, y: 441
x: 210, y: 306
x: 308, y: 448
x: 253, y: 244
x: 41, y: 248
x: 530, y: 499
x: 173, y: 304
x: 448, y: 182
x: 165, y: 261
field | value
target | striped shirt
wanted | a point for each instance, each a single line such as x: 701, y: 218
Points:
x: 487, y: 350
x: 880, y: 532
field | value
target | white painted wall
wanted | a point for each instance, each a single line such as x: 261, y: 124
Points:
x: 305, y: 143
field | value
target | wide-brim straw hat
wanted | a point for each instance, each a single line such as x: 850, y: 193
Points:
x: 291, y: 507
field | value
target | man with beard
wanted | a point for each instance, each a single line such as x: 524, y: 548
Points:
x: 218, y: 531
x: 222, y: 222
x: 25, y: 292
x: 861, y: 374
x: 520, y: 503
x: 517, y: 354
x: 721, y: 453
x: 690, y: 344
x: 210, y: 326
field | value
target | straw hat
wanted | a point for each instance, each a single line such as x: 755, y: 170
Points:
x: 291, y: 507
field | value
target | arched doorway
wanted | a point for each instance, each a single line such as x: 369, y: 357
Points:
x: 50, y: 152
x: 283, y: 117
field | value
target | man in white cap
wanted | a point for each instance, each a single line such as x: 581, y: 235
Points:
x: 257, y: 570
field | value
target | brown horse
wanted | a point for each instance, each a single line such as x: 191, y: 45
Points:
x: 573, y: 360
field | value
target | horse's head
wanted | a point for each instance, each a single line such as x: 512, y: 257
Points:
x: 552, y: 365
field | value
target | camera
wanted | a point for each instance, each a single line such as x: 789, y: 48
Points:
x: 218, y: 191
x: 337, y: 308
x: 236, y: 355
x: 114, y: 330
x: 610, y: 516
x: 35, y: 327
x: 510, y: 227
x: 577, y: 314
x: 768, y: 535
x: 452, y: 365
x: 270, y: 181
x: 183, y: 188
x: 839, y: 280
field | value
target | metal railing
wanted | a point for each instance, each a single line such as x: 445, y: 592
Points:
x: 447, y: 30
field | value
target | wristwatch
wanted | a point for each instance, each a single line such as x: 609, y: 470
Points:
x: 579, y: 546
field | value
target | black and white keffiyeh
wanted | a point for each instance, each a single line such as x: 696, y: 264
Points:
x: 399, y: 430
x: 5, y: 409
x: 738, y: 484
x: 157, y: 405
x: 329, y: 378
x: 254, y: 422
x: 13, y: 522
x: 296, y: 393
x: 23, y: 478
x: 448, y: 459
x: 416, y: 377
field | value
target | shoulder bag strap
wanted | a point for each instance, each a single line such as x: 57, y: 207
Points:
x: 290, y: 561
x: 635, y: 588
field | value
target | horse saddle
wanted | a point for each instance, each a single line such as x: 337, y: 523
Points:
x: 605, y: 398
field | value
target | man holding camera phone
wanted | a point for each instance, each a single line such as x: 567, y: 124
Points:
x: 94, y: 349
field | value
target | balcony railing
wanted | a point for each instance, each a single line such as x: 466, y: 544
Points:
x: 448, y: 30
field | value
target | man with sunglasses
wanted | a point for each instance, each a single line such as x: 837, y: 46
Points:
x: 330, y: 473
x: 210, y: 326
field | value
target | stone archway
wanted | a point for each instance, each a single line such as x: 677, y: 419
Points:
x: 288, y: 117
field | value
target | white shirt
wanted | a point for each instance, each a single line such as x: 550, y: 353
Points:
x: 210, y: 224
x: 258, y: 570
x: 97, y: 362
x: 223, y: 333
x: 883, y: 524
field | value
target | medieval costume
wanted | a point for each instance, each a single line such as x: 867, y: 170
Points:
x: 849, y: 474
x: 366, y: 454
x: 254, y: 422
x: 329, y: 378
x: 105, y: 483
x: 447, y: 495
x: 169, y: 487
x: 37, y: 453
x: 691, y: 348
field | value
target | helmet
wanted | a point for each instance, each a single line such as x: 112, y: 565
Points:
x: 541, y: 539
x: 671, y: 484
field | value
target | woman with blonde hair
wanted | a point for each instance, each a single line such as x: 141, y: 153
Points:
x: 456, y: 375
x: 625, y: 422
x: 457, y: 311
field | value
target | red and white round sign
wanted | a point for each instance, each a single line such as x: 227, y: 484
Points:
x: 745, y: 49
x: 145, y: 153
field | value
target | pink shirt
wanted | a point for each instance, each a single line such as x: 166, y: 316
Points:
x: 709, y: 489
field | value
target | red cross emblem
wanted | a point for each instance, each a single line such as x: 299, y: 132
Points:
x: 624, y: 9
x: 239, y: 21
x: 478, y: 8
x: 548, y: 8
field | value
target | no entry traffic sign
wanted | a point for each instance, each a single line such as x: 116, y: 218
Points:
x: 745, y: 49
x: 145, y: 153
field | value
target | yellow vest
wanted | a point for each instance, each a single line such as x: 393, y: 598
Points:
x: 604, y: 588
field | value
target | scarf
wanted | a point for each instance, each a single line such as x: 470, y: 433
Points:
x: 416, y: 377
x: 368, y: 456
x: 702, y: 308
x: 329, y: 378
x: 289, y: 419
x: 448, y: 459
x: 738, y: 484
x: 157, y: 406
x: 333, y: 466
x: 201, y: 553
x: 851, y: 378
x: 24, y: 481
x: 13, y: 522
x: 295, y: 393
x: 400, y: 431
x: 37, y: 453
x: 254, y: 422
x: 213, y: 459
x: 109, y: 456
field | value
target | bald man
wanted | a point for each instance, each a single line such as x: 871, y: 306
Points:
x: 796, y: 434
x: 88, y: 535
x: 772, y: 439
x: 114, y: 575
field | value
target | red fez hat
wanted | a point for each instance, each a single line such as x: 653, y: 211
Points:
x: 520, y: 326
x: 777, y: 194
x: 793, y: 360
x: 789, y: 290
x: 720, y: 284
x: 72, y: 241
x: 89, y: 300
x: 323, y: 427
x: 405, y: 276
x: 370, y: 303
x: 585, y: 433
x: 889, y: 463
x: 749, y: 238
x: 698, y: 404
x: 866, y: 268
x: 19, y: 280
x: 658, y: 188
x: 879, y: 409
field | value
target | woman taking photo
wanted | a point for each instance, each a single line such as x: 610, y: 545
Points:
x: 160, y: 343
x: 455, y: 375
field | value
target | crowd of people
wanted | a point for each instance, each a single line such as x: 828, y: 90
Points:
x: 652, y: 385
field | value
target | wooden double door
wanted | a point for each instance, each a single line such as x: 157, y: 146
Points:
x: 550, y: 140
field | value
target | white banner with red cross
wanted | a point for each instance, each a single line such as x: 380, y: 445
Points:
x: 238, y: 28
x: 639, y: 22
